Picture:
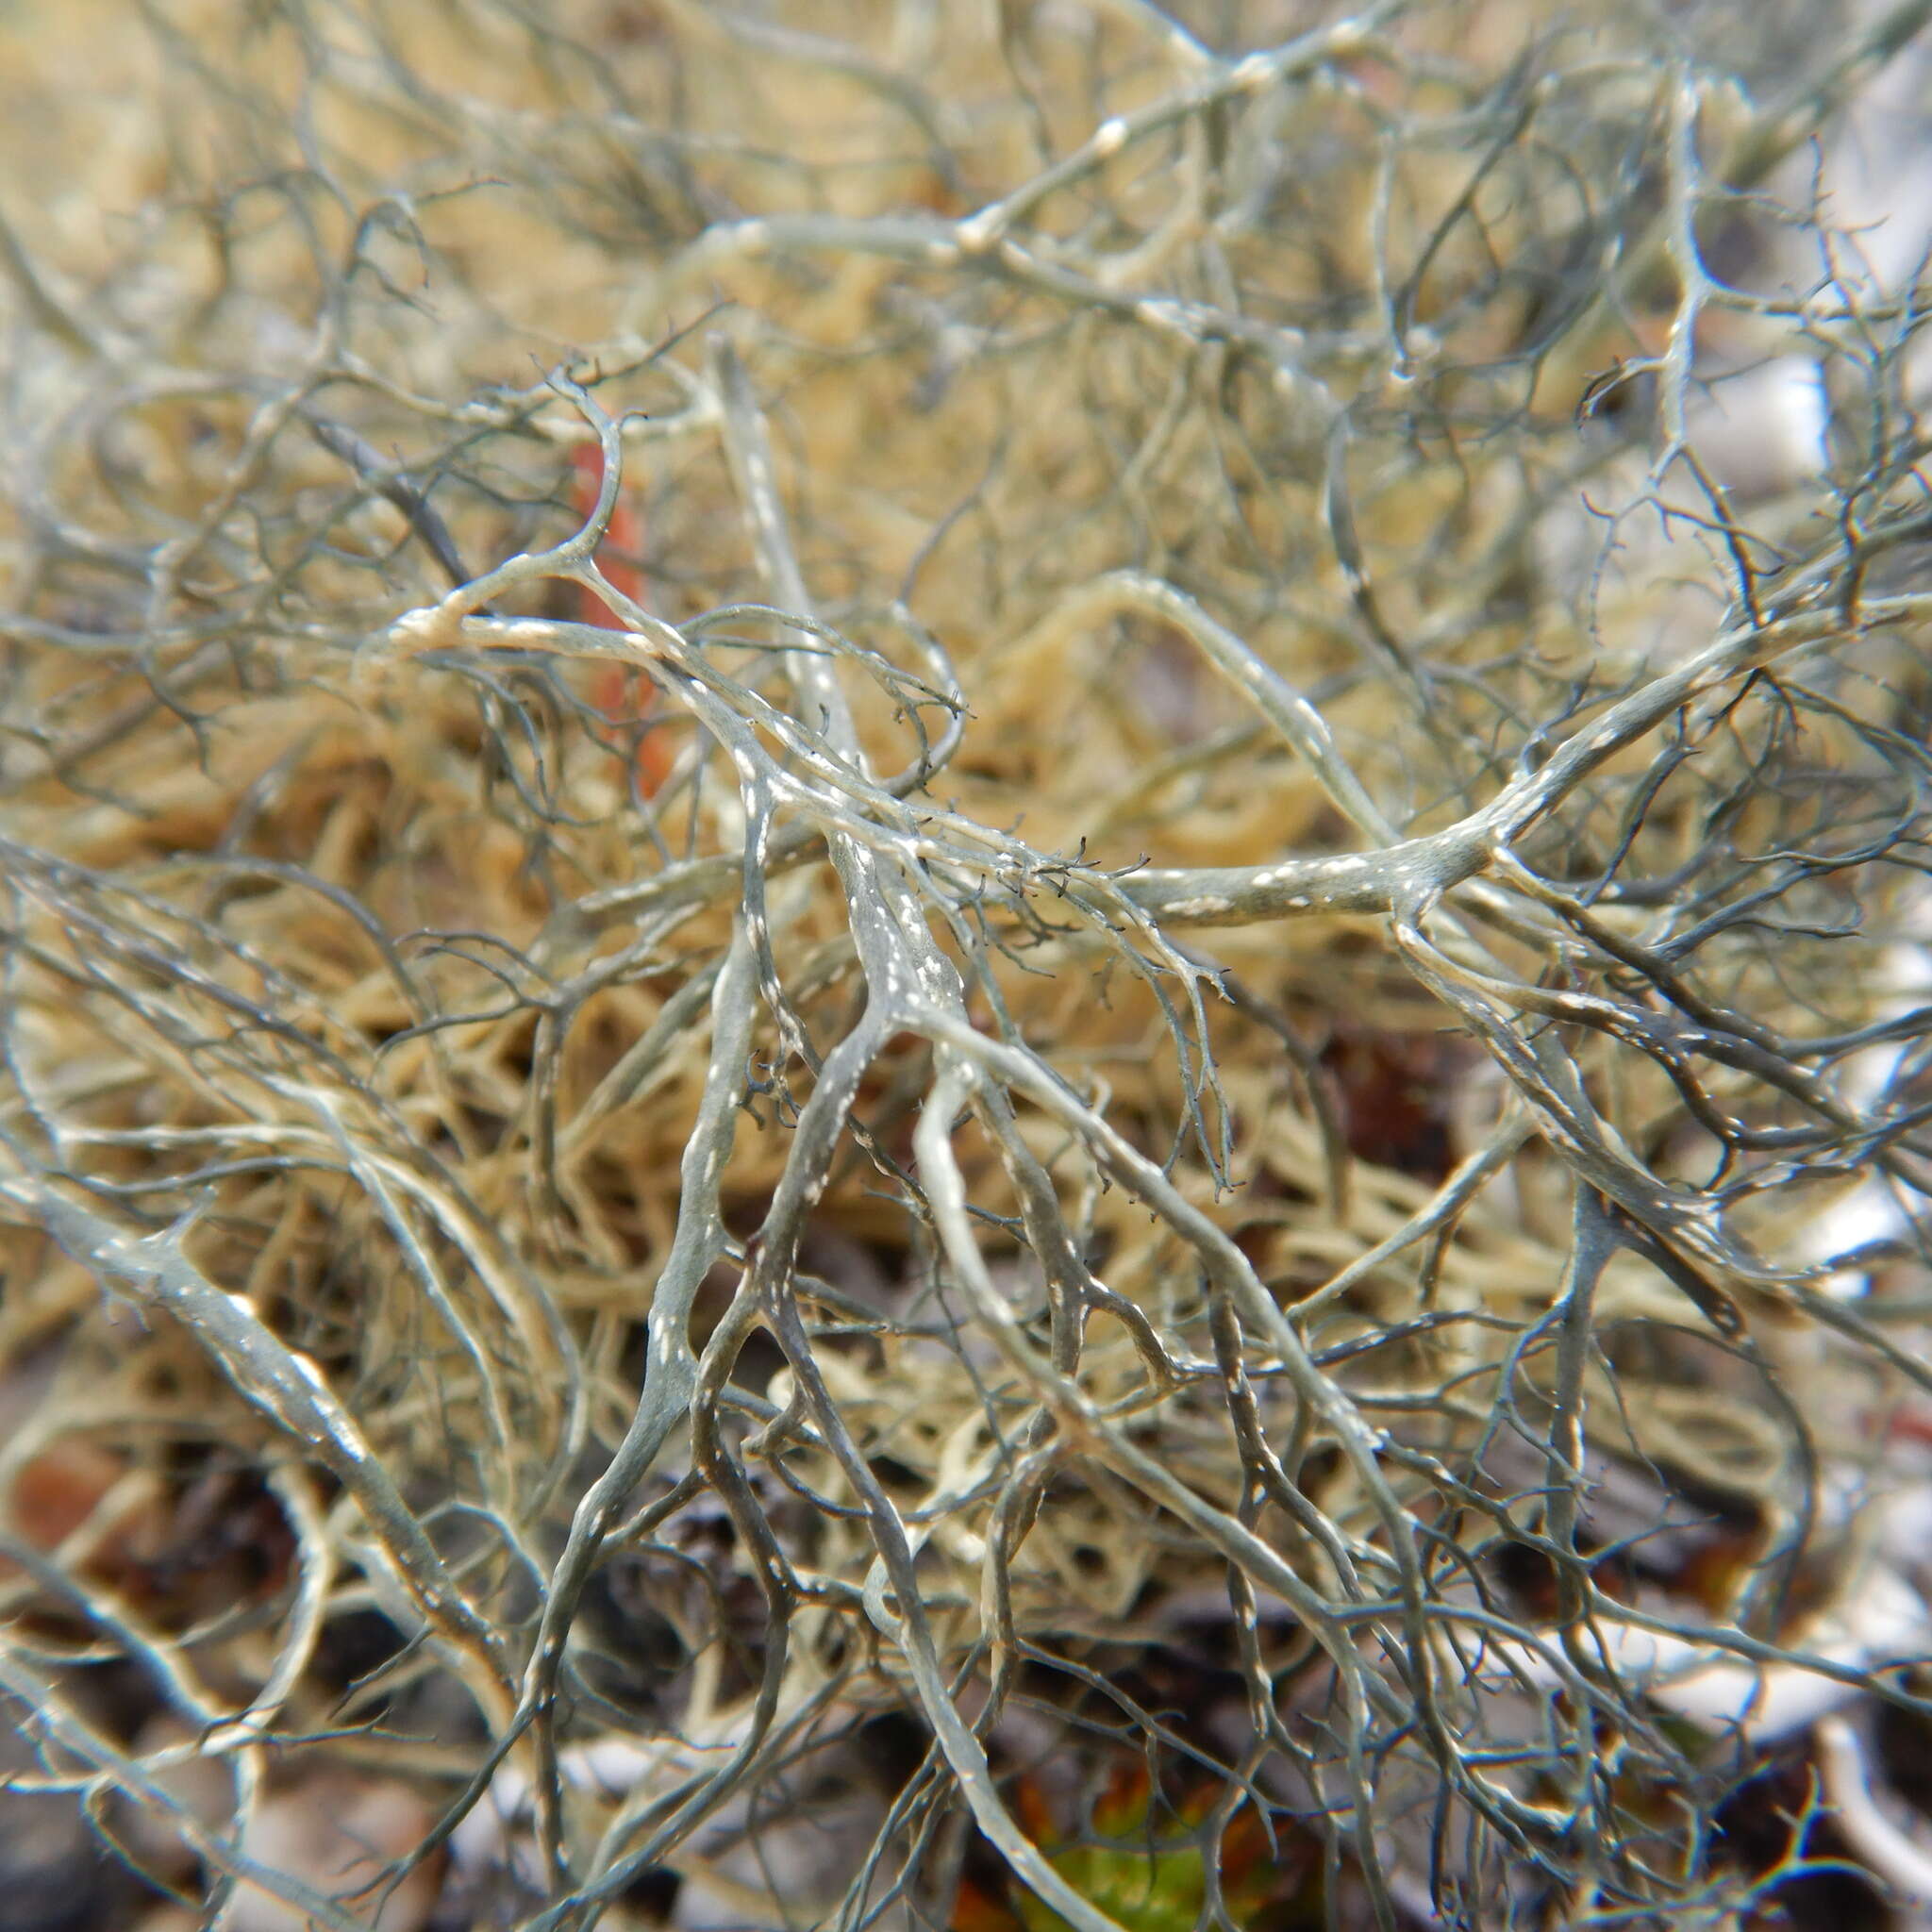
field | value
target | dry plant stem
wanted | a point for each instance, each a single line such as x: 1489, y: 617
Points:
x: 237, y: 1737
x: 1298, y: 723
x: 289, y: 1389
x: 1406, y: 873
x: 52, y: 311
x: 1428, y: 867
x: 671, y: 1377
x: 898, y: 960
x: 1230, y: 1274
x: 1082, y: 1430
x: 1903, y: 1864
x: 616, y: 1866
x: 904, y: 973
x: 1210, y: 393
x: 1225, y: 80
x: 1461, y: 1187
x: 173, y: 1679
x: 103, y: 1767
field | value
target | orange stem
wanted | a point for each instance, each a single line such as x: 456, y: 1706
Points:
x: 620, y: 695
